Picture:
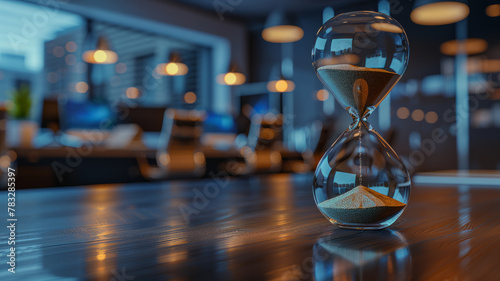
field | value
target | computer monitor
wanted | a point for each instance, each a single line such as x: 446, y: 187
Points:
x: 219, y: 123
x: 86, y: 115
x: 258, y: 102
x: 149, y: 119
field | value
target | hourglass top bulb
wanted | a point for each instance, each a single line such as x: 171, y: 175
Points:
x: 359, y: 57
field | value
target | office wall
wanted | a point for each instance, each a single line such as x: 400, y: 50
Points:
x: 169, y: 19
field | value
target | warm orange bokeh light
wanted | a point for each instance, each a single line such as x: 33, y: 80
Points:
x: 190, y: 97
x: 440, y: 13
x: 281, y: 86
x: 403, y: 113
x: 100, y: 56
x: 322, y: 95
x: 133, y: 93
x: 493, y: 10
x: 172, y: 69
x: 230, y: 78
x: 282, y: 34
x: 417, y: 115
x: 431, y: 117
x: 470, y: 46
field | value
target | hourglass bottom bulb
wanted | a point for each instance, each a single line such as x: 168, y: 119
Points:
x: 360, y: 182
x: 361, y: 205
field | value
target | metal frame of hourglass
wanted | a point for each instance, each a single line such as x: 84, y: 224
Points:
x: 360, y: 182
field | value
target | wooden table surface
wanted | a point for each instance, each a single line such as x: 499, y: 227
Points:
x: 259, y: 228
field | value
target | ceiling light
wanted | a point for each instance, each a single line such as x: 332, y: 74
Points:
x: 174, y: 67
x: 470, y: 46
x: 281, y: 28
x: 280, y: 86
x: 98, y: 50
x: 232, y: 77
x: 493, y: 10
x: 434, y: 12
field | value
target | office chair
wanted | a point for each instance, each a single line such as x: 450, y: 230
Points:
x: 179, y: 151
x: 262, y: 152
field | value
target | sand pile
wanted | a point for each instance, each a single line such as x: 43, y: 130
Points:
x: 361, y: 205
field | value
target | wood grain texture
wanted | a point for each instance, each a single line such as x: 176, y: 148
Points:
x: 258, y: 228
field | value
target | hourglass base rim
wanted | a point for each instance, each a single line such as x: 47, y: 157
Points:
x: 357, y: 226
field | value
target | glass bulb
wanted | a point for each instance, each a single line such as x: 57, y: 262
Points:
x: 360, y: 182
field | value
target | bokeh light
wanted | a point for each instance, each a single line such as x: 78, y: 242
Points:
x: 190, y: 97
x: 133, y: 93
x: 71, y: 46
x: 280, y: 86
x: 417, y: 115
x: 100, y: 56
x: 322, y: 95
x: 403, y: 113
x: 431, y: 117
x: 58, y: 51
x: 120, y: 68
x: 81, y: 87
x: 70, y: 59
x: 493, y: 10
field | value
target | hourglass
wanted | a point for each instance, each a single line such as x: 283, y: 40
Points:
x: 360, y: 182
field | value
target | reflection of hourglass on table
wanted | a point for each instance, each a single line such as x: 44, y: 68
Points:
x: 364, y: 255
x: 360, y: 182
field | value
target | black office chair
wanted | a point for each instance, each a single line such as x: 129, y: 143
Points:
x: 262, y: 152
x: 179, y: 150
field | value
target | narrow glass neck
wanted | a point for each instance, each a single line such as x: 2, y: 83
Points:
x: 357, y: 120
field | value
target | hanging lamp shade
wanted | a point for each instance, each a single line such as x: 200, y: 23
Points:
x: 493, y: 10
x: 232, y: 77
x: 436, y: 12
x: 471, y: 46
x: 97, y: 48
x: 280, y: 86
x: 174, y: 67
x: 281, y: 27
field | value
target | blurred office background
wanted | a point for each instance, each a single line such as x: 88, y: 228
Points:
x: 124, y: 91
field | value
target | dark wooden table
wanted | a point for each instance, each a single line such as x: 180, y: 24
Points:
x: 259, y: 228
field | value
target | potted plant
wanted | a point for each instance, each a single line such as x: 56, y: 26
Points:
x: 20, y: 130
x: 21, y: 103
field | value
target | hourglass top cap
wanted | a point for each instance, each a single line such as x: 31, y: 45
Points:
x: 364, y: 38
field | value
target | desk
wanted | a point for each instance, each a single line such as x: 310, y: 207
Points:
x: 60, y: 166
x: 258, y: 228
x: 63, y: 166
x: 90, y: 165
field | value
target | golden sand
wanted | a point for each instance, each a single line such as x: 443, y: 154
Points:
x: 358, y: 87
x: 361, y: 205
